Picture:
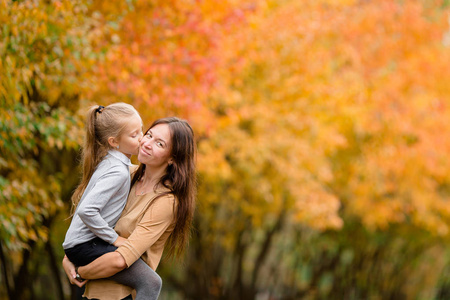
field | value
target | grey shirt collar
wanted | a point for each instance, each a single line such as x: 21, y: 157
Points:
x: 120, y: 156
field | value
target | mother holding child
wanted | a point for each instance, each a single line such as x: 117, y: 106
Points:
x: 123, y: 239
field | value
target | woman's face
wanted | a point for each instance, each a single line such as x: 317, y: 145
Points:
x: 156, y: 147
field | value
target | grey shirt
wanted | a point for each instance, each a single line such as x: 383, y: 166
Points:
x: 102, y: 202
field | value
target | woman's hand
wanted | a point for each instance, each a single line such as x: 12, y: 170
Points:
x: 69, y: 268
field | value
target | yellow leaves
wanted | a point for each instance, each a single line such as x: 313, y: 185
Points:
x: 339, y: 3
x: 318, y: 209
x: 380, y: 213
x: 32, y: 137
x: 211, y: 162
x: 41, y: 50
x: 23, y: 203
x: 341, y: 94
x: 394, y: 183
x: 52, y: 142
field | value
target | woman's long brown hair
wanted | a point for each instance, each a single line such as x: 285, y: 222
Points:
x: 180, y: 179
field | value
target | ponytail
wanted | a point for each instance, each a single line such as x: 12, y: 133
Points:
x: 101, y: 124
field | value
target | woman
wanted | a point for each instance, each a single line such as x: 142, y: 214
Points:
x: 159, y: 209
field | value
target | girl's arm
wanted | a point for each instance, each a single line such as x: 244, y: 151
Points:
x: 119, y: 242
x: 103, y: 197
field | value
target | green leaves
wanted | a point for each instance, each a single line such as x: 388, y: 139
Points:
x: 42, y: 80
x: 30, y: 192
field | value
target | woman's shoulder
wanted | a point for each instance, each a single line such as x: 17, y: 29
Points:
x: 164, y: 202
x: 161, y: 207
x: 164, y: 197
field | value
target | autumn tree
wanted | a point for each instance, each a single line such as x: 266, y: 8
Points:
x: 163, y: 59
x: 322, y: 160
x: 330, y: 116
x: 46, y: 52
x: 58, y: 57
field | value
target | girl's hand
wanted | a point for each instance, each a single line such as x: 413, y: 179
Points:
x: 69, y: 268
x: 120, y: 240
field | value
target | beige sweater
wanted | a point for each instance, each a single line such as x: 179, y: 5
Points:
x: 147, y: 226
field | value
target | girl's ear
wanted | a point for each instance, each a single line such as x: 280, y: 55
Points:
x: 113, y: 142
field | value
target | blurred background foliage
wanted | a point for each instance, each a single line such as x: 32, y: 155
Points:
x: 322, y: 129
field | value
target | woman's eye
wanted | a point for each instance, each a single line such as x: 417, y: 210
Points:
x: 159, y: 144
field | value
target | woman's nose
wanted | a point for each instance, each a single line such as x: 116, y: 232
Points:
x: 146, y: 143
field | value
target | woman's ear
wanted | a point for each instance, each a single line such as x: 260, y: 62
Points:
x: 170, y: 162
x: 113, y: 142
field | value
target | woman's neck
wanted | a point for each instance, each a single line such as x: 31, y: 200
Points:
x: 152, y: 176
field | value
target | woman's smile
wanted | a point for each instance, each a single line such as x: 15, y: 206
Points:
x: 144, y: 151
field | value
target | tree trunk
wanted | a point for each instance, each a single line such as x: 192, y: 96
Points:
x: 22, y: 282
x: 237, y: 291
x: 55, y: 269
x: 264, y: 252
x: 5, y: 272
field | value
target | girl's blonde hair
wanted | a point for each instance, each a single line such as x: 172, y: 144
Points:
x: 101, y: 124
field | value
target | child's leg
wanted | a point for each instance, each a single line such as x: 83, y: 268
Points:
x: 142, y: 278
x: 85, y: 253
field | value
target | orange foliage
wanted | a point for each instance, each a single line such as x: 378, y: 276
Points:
x: 346, y: 100
x: 161, y: 57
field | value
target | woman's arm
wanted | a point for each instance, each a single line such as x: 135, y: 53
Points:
x: 105, y: 266
x: 98, y: 268
x: 156, y: 220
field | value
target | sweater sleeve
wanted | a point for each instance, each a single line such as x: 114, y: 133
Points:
x: 155, y: 221
x: 98, y: 197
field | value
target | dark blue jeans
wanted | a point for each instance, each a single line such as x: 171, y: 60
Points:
x: 85, y: 253
x: 138, y: 276
x: 126, y: 298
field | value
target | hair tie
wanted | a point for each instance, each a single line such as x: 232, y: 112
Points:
x: 99, y: 109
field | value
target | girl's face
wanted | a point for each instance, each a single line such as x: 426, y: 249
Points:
x: 129, y: 140
x: 156, y: 147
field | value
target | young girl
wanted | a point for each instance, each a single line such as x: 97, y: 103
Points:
x: 112, y: 136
